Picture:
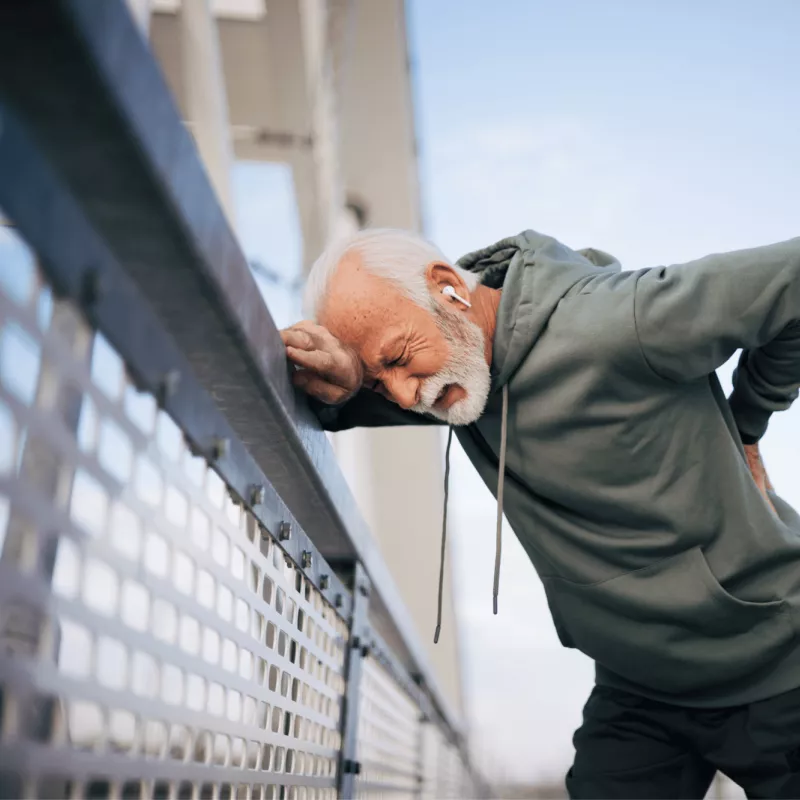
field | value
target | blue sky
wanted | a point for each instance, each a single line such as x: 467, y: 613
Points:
x: 657, y: 131
x: 591, y: 119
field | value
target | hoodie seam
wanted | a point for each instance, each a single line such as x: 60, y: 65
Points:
x: 639, y: 344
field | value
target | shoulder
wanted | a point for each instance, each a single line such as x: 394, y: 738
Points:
x: 597, y: 319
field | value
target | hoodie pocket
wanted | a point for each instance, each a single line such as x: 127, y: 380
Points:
x: 671, y: 626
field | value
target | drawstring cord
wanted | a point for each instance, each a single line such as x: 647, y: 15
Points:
x: 499, y: 530
x: 444, y: 537
x: 501, y: 479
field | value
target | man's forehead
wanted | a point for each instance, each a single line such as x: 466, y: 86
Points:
x: 359, y: 303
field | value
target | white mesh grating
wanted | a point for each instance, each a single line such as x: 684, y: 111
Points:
x: 389, y: 730
x: 154, y: 640
x: 443, y: 773
x: 450, y: 779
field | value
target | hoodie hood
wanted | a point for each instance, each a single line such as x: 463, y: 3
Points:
x: 534, y: 272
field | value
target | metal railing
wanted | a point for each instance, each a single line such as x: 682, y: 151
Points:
x: 190, y: 603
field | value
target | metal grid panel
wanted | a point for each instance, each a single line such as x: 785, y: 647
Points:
x: 450, y: 778
x: 389, y: 730
x: 429, y: 761
x: 443, y: 771
x: 154, y: 639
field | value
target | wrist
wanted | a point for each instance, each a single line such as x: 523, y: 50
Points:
x: 751, y: 419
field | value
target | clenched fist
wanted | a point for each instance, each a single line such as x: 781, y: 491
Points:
x: 327, y: 369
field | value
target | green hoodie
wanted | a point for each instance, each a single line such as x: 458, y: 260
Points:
x: 626, y: 480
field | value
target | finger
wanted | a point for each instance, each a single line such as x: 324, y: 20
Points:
x: 299, y: 339
x: 320, y: 335
x: 317, y: 332
x: 318, y: 361
x: 326, y: 392
x: 301, y: 377
x: 309, y: 336
x: 310, y: 325
x: 321, y: 389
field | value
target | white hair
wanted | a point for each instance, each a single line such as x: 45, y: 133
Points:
x: 397, y: 255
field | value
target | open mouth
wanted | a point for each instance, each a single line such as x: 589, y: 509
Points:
x: 443, y: 398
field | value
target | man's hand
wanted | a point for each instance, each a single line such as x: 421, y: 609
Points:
x: 758, y: 471
x: 327, y: 369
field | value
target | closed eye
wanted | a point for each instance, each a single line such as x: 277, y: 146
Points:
x: 400, y: 361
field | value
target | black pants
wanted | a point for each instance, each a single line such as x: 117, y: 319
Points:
x: 631, y: 747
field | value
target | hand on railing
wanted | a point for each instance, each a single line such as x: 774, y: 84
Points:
x: 326, y: 369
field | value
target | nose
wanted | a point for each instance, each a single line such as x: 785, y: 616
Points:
x: 403, y: 391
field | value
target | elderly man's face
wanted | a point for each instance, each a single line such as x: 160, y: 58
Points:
x: 429, y: 361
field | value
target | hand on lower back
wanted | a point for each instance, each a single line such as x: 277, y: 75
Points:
x: 758, y: 471
x: 326, y: 368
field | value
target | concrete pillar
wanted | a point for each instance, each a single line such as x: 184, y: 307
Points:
x: 206, y: 101
x: 318, y: 20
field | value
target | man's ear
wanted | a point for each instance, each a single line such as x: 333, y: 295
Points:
x: 440, y: 276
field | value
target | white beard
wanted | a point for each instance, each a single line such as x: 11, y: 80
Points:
x: 465, y: 367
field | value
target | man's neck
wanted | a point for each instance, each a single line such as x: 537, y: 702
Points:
x: 485, y: 303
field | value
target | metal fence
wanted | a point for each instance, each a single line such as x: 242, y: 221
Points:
x: 190, y: 605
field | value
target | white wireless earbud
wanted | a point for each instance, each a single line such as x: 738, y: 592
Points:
x: 451, y: 292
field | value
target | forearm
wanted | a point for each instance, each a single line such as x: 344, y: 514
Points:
x: 767, y: 380
x: 366, y: 410
x: 690, y: 319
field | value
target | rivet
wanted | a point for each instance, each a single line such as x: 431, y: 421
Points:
x: 220, y: 448
x: 257, y: 495
x: 169, y: 385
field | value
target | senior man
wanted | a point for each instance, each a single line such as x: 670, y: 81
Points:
x: 587, y: 399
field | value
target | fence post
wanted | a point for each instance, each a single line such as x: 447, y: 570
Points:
x: 349, y: 767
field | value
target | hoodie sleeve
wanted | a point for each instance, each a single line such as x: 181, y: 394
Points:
x: 690, y: 319
x: 367, y: 409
